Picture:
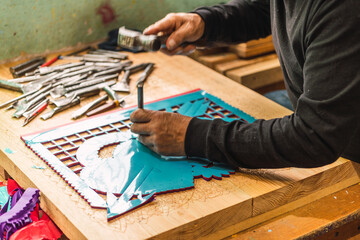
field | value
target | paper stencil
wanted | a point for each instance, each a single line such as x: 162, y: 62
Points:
x: 133, y: 175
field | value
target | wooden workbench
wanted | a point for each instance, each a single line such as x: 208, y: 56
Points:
x: 211, y: 210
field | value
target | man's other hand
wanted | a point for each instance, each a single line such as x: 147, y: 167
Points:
x: 182, y: 27
x: 162, y: 132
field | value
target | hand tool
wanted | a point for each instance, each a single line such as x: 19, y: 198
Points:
x: 105, y: 55
x: 77, y: 68
x: 103, y: 51
x: 11, y: 85
x: 106, y: 107
x: 140, y: 84
x: 48, y: 63
x: 38, y: 84
x: 30, y: 115
x: 123, y: 85
x: 30, y: 105
x: 28, y: 68
x: 80, y: 51
x: 110, y: 70
x: 85, y: 92
x: 90, y: 58
x: 113, y: 95
x: 24, y: 88
x: 57, y: 109
x: 17, y: 98
x: 89, y: 69
x: 91, y: 82
x: 103, y: 64
x: 111, y: 54
x: 25, y: 64
x: 60, y: 56
x: 140, y: 88
x: 116, y: 102
x: 19, y: 105
x: 74, y: 80
x: 57, y: 92
x: 137, y: 41
x: 37, y: 93
x: 88, y: 107
x: 25, y: 79
x: 61, y: 90
x: 46, y: 70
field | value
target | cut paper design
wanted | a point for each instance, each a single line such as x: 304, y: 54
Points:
x: 19, y: 215
x: 134, y: 174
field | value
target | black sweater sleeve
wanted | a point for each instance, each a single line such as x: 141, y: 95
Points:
x: 237, y: 21
x: 327, y: 116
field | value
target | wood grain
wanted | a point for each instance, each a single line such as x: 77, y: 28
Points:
x: 212, y: 209
x: 239, y: 63
x: 253, y: 48
x: 213, y: 59
x: 259, y: 74
x: 319, y: 220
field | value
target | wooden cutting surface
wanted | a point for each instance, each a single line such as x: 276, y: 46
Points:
x: 211, y: 210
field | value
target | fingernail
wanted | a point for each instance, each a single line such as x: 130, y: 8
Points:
x: 171, y: 44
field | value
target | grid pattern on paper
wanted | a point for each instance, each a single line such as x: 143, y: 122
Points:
x: 65, y: 147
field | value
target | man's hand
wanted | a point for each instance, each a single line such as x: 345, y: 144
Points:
x: 182, y: 27
x: 162, y: 132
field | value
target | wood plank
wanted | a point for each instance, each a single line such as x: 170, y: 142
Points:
x: 302, y: 187
x: 257, y: 42
x: 251, y: 52
x: 239, y: 63
x: 213, y: 59
x: 3, y: 174
x: 207, y: 51
x: 270, y: 88
x: 258, y: 74
x: 212, y: 209
x: 320, y: 219
x: 253, y: 48
x: 256, y: 220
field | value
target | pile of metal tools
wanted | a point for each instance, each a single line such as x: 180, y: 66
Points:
x: 66, y: 85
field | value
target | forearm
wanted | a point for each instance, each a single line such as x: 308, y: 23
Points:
x: 236, y: 21
x: 276, y: 143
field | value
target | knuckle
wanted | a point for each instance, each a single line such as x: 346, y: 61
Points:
x: 133, y: 115
x: 148, y: 113
x: 171, y: 15
x: 156, y: 139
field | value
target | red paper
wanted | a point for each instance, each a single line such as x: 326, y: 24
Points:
x: 42, y: 229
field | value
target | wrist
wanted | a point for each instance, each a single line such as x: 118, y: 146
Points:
x: 198, y: 24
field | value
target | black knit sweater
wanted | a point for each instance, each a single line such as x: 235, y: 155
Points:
x: 318, y: 44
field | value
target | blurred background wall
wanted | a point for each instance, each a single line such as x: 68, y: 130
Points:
x: 36, y: 26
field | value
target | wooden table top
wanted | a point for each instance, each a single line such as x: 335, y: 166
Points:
x: 213, y: 209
